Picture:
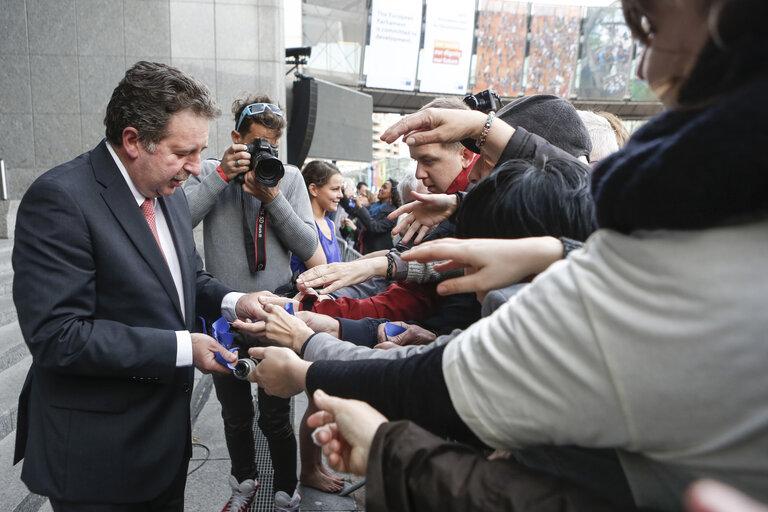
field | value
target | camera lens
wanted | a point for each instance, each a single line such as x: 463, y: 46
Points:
x: 244, y: 367
x: 269, y: 170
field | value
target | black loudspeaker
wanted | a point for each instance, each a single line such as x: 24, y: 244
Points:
x: 301, y: 129
x: 329, y: 121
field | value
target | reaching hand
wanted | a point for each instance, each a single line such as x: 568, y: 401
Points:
x: 204, y: 350
x: 451, y: 125
x: 346, y: 431
x: 490, y: 263
x: 424, y: 212
x: 281, y: 372
x: 712, y: 496
x: 278, y: 327
x: 436, y: 125
x: 235, y: 160
x: 264, y: 194
x: 413, y: 335
x: 320, y: 323
x: 248, y: 306
x: 338, y: 275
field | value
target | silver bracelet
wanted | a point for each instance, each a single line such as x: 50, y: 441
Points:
x: 486, y: 129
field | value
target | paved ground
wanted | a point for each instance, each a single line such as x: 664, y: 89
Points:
x: 207, y: 488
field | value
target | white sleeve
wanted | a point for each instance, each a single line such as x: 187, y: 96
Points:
x: 533, y: 372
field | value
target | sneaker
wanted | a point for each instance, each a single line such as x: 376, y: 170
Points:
x: 285, y: 503
x: 242, y: 495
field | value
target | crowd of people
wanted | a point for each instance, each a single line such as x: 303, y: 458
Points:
x: 547, y: 315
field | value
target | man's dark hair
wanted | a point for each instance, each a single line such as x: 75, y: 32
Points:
x: 523, y: 198
x: 148, y: 96
x: 361, y: 184
x: 267, y: 118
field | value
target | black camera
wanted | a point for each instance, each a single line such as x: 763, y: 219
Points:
x: 244, y: 367
x: 485, y: 101
x: 266, y: 167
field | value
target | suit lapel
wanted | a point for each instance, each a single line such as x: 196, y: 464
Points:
x: 121, y: 203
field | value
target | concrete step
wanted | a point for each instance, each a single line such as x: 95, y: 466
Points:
x: 12, y: 346
x: 7, y: 310
x: 6, y: 283
x: 11, y: 382
x: 6, y: 249
x: 12, y: 490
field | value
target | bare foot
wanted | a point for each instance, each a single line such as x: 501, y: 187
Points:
x: 322, y: 479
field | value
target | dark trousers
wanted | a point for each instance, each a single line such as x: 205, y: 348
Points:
x: 593, y: 469
x: 274, y: 421
x: 171, y: 500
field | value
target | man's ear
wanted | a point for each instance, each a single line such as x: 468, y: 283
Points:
x: 131, y: 142
x: 467, y: 157
x: 237, y: 138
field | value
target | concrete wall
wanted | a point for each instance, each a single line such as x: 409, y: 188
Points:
x: 60, y: 60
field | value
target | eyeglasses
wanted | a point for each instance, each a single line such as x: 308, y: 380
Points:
x: 258, y: 108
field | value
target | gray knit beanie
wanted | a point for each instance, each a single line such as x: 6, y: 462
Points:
x: 551, y: 118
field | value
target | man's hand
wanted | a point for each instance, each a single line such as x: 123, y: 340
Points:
x: 249, y: 307
x: 349, y: 223
x: 204, y: 350
x: 340, y: 274
x: 713, y: 496
x: 489, y: 264
x: 436, y: 125
x: 281, y: 372
x: 320, y: 323
x: 235, y: 160
x: 413, y: 335
x: 345, y: 430
x: 264, y: 194
x: 424, y: 212
x: 278, y: 327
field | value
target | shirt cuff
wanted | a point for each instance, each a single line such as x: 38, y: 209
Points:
x: 228, y: 304
x: 221, y: 173
x: 183, y: 348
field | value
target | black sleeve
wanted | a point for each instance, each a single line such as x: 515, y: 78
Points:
x: 410, y: 469
x: 378, y: 224
x: 457, y: 311
x: 362, y: 332
x: 412, y: 388
x: 528, y: 146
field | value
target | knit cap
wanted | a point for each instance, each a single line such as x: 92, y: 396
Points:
x: 552, y: 118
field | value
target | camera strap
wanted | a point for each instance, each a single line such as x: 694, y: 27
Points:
x: 255, y: 247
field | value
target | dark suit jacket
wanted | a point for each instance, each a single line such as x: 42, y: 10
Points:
x: 104, y: 413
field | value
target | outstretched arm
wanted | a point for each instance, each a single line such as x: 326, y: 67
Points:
x: 491, y: 263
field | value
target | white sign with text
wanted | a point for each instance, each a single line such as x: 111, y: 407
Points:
x: 391, y: 58
x: 448, y: 33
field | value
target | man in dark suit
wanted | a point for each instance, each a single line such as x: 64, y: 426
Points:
x: 107, y: 286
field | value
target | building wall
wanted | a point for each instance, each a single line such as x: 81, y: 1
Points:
x: 61, y: 59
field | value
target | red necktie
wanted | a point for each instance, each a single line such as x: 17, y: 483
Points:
x: 148, y: 209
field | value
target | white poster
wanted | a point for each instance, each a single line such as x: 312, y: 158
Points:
x: 391, y: 58
x: 448, y: 32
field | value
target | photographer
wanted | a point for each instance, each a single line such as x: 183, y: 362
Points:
x: 233, y: 197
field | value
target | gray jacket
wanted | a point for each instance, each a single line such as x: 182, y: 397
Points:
x: 290, y: 227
